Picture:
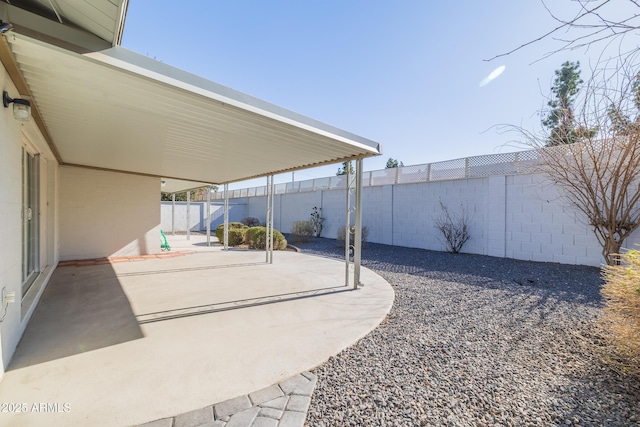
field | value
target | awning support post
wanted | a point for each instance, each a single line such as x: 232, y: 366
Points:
x: 266, y: 221
x: 347, y: 225
x: 273, y: 197
x: 188, y: 215
x: 269, y: 221
x: 208, y: 216
x: 226, y: 217
x: 173, y: 214
x: 357, y: 250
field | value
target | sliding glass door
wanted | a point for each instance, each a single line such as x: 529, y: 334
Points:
x: 30, y: 219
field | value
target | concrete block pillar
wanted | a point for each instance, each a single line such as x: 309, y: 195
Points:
x: 496, y: 218
x: 387, y: 214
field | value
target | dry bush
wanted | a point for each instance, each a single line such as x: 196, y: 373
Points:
x: 341, y: 235
x: 302, y: 231
x: 317, y: 221
x: 454, y: 228
x: 622, y: 308
x: 250, y: 221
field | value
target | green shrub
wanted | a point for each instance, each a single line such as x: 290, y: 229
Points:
x: 256, y: 238
x: 341, y: 235
x: 302, y: 231
x: 237, y: 232
x: 622, y: 307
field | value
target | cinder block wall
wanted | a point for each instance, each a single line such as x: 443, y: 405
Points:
x: 542, y: 226
x: 514, y: 216
x: 197, y: 215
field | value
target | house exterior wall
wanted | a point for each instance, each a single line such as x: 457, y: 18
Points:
x: 107, y: 214
x: 514, y: 216
x: 10, y: 231
x: 14, y: 137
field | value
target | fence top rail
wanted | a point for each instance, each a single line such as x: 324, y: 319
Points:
x: 513, y: 163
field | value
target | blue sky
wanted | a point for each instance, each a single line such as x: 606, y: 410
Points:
x: 403, y: 73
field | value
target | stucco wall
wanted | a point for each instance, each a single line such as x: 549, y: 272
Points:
x: 10, y: 220
x: 105, y: 214
x: 15, y: 135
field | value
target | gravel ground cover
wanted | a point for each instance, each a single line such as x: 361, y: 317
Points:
x: 472, y: 341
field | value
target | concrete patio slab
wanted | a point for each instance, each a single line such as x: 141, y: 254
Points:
x: 129, y: 343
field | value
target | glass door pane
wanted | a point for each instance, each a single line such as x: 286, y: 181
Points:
x: 30, y: 209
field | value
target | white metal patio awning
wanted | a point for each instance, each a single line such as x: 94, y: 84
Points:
x: 117, y: 110
x: 102, y: 18
x: 169, y: 185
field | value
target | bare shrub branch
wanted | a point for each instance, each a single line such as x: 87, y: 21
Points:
x: 317, y: 220
x: 454, y: 228
x: 593, y: 23
x: 599, y: 175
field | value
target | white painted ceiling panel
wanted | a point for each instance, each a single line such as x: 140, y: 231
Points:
x: 99, y: 17
x: 122, y: 111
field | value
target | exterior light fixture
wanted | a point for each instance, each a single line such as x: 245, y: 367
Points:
x: 4, y: 27
x: 21, y: 107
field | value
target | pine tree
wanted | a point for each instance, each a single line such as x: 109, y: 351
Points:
x: 343, y: 169
x: 393, y: 163
x: 561, y: 120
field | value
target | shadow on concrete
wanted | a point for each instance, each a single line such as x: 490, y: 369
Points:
x: 190, y: 362
x: 205, y: 243
x: 82, y: 309
x: 159, y: 316
x: 181, y: 270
